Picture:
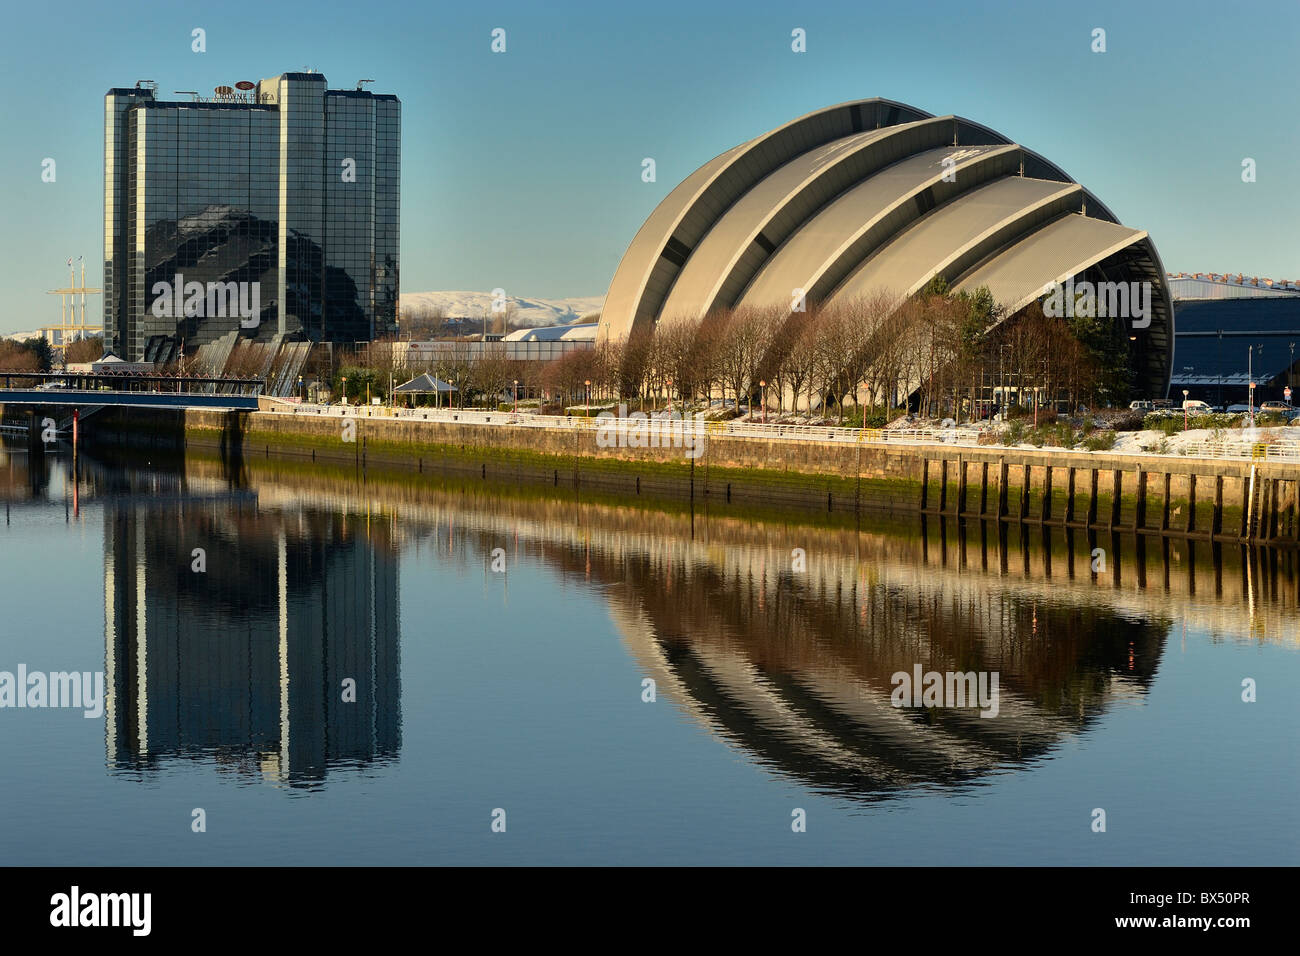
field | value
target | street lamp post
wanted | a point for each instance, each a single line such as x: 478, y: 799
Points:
x: 1184, y: 409
x: 1219, y: 402
x: 1250, y: 374
x: 1002, y: 381
x: 1038, y: 393
x: 345, y: 389
x: 1290, y: 370
x: 586, y: 408
x: 762, y: 384
x: 516, y: 396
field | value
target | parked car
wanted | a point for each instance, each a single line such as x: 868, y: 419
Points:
x: 1197, y: 406
x: 1238, y: 409
x: 1142, y: 405
x: 1274, y: 407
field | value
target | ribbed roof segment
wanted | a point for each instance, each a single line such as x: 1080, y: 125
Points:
x: 869, y: 195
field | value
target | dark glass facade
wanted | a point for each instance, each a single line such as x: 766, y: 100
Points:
x: 289, y: 200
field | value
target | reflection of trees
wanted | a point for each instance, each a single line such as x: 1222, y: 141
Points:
x: 796, y: 668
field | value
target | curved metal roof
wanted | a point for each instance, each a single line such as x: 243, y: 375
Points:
x: 875, y: 194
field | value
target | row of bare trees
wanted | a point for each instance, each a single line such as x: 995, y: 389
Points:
x: 936, y: 352
x: 874, y: 350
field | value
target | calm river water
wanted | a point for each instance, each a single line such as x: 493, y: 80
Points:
x: 337, y: 671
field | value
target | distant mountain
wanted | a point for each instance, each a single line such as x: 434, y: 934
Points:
x: 526, y: 312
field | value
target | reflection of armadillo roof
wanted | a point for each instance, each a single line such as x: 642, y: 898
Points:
x: 876, y: 195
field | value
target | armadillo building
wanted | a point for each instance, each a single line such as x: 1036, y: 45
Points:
x: 873, y: 195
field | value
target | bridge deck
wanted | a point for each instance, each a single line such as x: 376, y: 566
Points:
x: 78, y: 397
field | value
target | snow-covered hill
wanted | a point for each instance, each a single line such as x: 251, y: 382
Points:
x: 523, y: 311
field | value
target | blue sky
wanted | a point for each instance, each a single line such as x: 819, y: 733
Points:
x: 523, y: 170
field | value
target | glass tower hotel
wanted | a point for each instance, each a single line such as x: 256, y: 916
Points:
x: 285, y: 188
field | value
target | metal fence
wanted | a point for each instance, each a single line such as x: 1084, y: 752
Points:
x: 1253, y: 451
x: 663, y: 425
x: 652, y: 423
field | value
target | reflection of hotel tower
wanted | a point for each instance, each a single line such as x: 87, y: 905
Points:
x: 244, y: 664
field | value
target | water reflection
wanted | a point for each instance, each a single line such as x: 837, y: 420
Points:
x: 790, y: 663
x: 246, y: 663
x: 794, y: 668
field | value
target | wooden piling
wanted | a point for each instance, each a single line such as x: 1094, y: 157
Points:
x: 1140, y: 514
x: 1117, y: 482
x: 1216, y: 516
x: 1002, y: 489
x: 1164, y: 510
x: 1091, y: 520
x: 961, y: 486
x: 1069, y: 500
x: 1247, y: 505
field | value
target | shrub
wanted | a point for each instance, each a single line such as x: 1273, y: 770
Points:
x: 1215, y: 421
x: 1063, y: 435
x: 1100, y: 440
x: 1120, y: 419
x: 875, y: 417
x: 1163, y: 423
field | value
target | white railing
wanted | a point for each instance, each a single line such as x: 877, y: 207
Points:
x: 1229, y: 450
x: 1254, y: 451
x: 478, y: 416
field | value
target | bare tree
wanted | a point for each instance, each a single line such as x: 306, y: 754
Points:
x: 492, y: 372
x: 678, y: 357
